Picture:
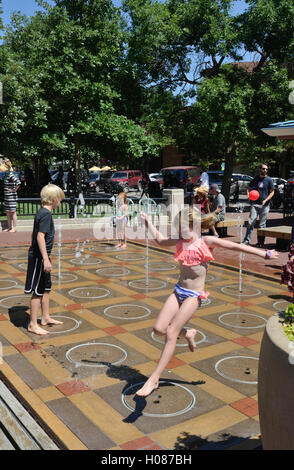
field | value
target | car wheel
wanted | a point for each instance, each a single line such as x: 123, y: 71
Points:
x: 126, y: 188
x: 97, y: 188
x: 139, y: 185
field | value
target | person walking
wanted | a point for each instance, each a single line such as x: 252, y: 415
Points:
x: 204, y: 178
x: 145, y: 185
x: 11, y: 185
x: 259, y: 208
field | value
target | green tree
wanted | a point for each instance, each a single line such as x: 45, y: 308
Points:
x: 74, y: 58
x: 177, y: 42
x: 187, y: 44
x: 225, y: 122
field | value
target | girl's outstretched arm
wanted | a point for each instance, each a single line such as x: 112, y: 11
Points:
x: 214, y: 242
x: 155, y: 234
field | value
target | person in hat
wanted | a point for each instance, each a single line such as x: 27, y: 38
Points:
x: 218, y: 206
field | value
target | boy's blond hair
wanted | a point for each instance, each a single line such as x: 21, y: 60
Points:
x: 51, y: 193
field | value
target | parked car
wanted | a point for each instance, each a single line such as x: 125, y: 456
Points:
x: 279, y: 183
x: 176, y: 176
x: 239, y: 182
x: 103, y: 181
x: 92, y: 183
x: 155, y: 176
x: 54, y: 179
x: 243, y: 182
x: 128, y: 179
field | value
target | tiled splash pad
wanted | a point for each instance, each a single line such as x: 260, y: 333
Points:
x: 81, y: 379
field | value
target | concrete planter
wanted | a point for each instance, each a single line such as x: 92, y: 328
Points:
x: 276, y: 388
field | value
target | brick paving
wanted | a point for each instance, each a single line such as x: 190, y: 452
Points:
x: 82, y: 378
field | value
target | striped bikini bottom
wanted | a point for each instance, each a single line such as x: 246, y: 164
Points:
x: 183, y: 294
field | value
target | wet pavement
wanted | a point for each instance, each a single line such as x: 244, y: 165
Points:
x: 81, y: 379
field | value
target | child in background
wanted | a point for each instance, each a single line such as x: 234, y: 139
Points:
x: 193, y: 253
x: 201, y: 199
x: 38, y: 280
x: 287, y: 276
x: 11, y: 185
x: 121, y: 219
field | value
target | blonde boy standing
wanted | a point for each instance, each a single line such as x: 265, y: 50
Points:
x: 38, y: 280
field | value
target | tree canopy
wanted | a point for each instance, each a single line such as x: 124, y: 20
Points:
x: 87, y: 77
x: 67, y: 65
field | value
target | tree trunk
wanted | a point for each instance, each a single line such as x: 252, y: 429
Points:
x: 229, y: 166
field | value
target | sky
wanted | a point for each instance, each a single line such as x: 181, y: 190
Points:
x: 28, y: 7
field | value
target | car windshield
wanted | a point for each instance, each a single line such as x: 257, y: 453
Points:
x: 174, y: 172
x: 119, y: 174
x: 94, y: 176
x: 215, y: 177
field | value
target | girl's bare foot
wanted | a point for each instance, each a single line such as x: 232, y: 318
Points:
x: 124, y: 245
x: 50, y: 321
x: 190, y: 335
x: 37, y: 330
x: 147, y: 388
x: 12, y: 230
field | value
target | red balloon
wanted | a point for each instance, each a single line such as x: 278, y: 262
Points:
x: 253, y: 195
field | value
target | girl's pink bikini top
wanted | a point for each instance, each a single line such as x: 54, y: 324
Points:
x: 193, y: 253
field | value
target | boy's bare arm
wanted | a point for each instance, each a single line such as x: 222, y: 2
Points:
x: 42, y: 248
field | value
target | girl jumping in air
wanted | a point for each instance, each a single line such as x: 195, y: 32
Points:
x: 193, y: 253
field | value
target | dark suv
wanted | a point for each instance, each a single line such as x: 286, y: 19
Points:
x: 101, y: 182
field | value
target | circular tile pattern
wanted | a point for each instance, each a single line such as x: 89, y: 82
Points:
x: 247, y: 291
x: 86, y: 260
x: 96, y: 355
x: 281, y: 305
x: 69, y: 324
x: 130, y: 257
x: 242, y: 320
x: 181, y: 342
x: 170, y: 399
x: 160, y: 266
x: 7, y: 284
x: 64, y: 251
x: 205, y: 302
x: 127, y: 312
x: 23, y: 266
x: 103, y: 248
x: 13, y: 254
x: 64, y: 277
x: 241, y: 369
x: 153, y: 284
x: 113, y: 271
x: 22, y: 300
x: 89, y: 292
